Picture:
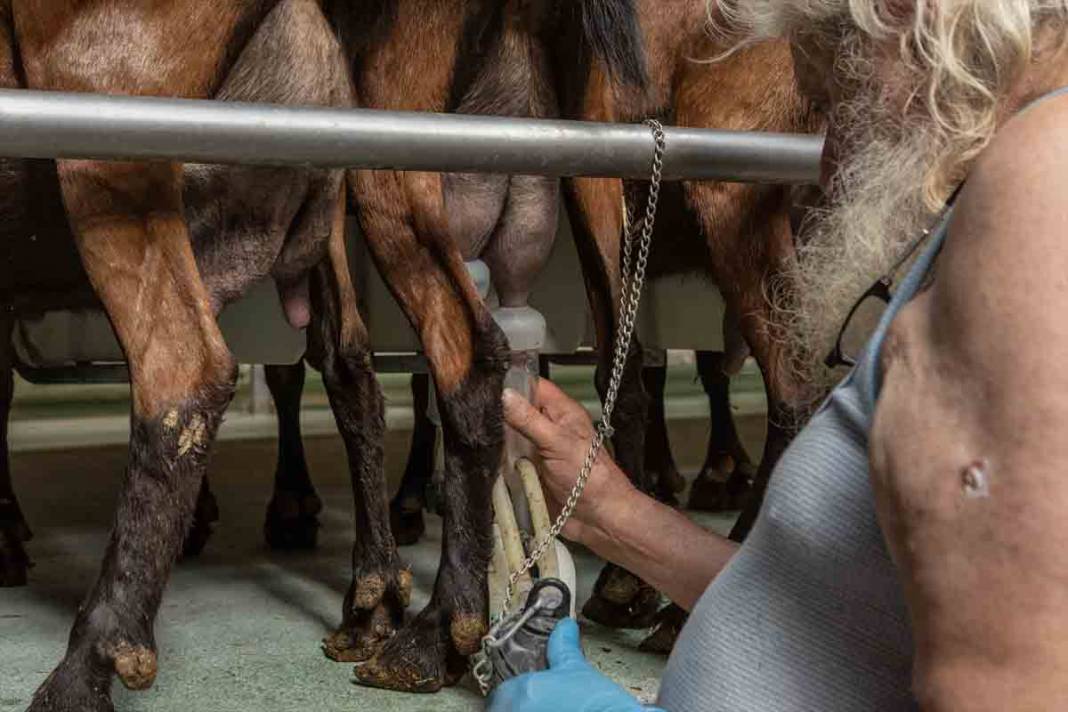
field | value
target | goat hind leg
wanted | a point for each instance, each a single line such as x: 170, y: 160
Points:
x: 14, y: 227
x: 466, y: 352
x: 135, y: 246
x: 339, y: 346
x: 406, y: 508
x: 659, y: 462
x: 620, y: 599
x: 727, y: 473
x: 431, y: 650
x: 292, y: 520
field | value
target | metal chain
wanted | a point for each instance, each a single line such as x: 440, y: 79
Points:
x: 629, y: 301
x: 632, y: 269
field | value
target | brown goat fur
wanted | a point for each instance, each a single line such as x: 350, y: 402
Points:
x: 163, y: 255
x: 737, y: 235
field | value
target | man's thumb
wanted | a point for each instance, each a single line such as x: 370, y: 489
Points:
x: 528, y: 420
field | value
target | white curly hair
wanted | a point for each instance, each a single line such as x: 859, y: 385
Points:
x: 953, y: 65
x: 961, y: 55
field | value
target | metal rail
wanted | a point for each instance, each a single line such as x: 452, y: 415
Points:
x: 37, y: 124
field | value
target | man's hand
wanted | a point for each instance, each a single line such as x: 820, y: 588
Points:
x: 613, y: 518
x: 561, y: 431
x: 570, y: 683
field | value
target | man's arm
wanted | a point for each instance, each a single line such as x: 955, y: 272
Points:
x: 662, y: 546
x: 613, y: 519
x: 970, y: 441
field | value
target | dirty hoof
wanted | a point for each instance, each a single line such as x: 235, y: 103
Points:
x: 373, y: 610
x: 408, y: 525
x: 669, y: 483
x: 708, y: 495
x: 204, y: 517
x: 427, y: 654
x: 14, y: 562
x: 292, y: 521
x: 135, y: 665
x: 666, y: 629
x: 622, y: 600
x: 664, y: 490
x: 740, y: 487
x: 721, y: 487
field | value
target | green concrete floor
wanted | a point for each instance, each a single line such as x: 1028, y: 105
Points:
x: 80, y: 400
x: 240, y: 626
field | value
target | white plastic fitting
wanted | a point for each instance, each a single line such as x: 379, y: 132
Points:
x: 524, y: 327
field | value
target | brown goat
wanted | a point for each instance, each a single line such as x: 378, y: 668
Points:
x: 162, y: 273
x: 737, y: 235
x: 473, y: 57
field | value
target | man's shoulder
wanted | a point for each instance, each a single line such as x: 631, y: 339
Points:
x: 1017, y: 192
x: 1025, y: 168
x: 1002, y: 278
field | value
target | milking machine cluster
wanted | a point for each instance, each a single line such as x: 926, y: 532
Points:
x: 532, y: 576
x: 523, y: 610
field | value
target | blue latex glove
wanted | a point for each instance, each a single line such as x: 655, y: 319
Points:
x: 570, y: 684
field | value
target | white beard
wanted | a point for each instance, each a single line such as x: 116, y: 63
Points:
x: 877, y: 209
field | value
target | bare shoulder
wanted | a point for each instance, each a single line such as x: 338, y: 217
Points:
x: 993, y: 326
x: 1019, y: 184
x: 1003, y: 275
x: 968, y: 448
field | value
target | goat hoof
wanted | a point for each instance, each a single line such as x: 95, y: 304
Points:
x: 664, y: 490
x: 666, y: 629
x: 374, y: 609
x: 668, y: 481
x: 722, y: 486
x: 708, y: 494
x: 292, y: 521
x: 408, y: 525
x: 135, y: 665
x: 427, y: 654
x: 622, y: 600
x: 740, y: 485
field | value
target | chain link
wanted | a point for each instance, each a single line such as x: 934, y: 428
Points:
x: 630, y: 299
x: 632, y: 278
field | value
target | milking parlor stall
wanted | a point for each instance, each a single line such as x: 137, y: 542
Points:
x: 254, y: 355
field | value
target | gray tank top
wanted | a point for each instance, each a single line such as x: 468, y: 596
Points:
x: 809, y: 614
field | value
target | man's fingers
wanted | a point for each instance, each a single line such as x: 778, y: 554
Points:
x: 548, y: 392
x: 556, y: 404
x: 564, y: 648
x: 528, y: 420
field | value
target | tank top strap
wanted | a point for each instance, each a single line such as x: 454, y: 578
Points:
x: 867, y: 372
x: 1045, y: 97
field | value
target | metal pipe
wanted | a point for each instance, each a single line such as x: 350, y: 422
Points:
x: 37, y: 124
